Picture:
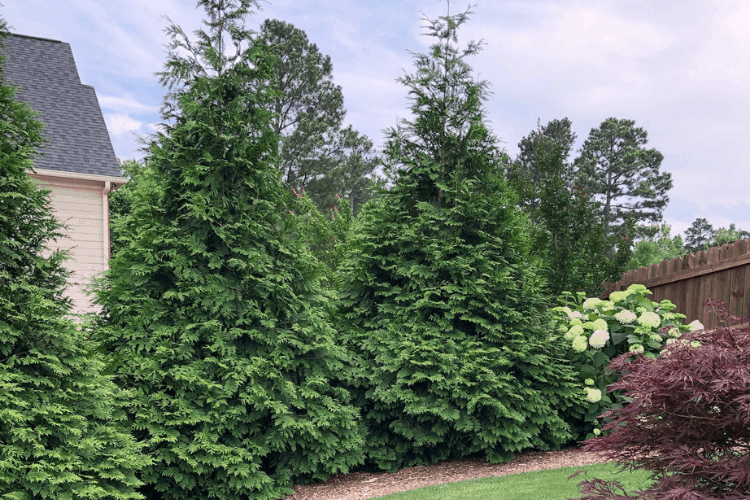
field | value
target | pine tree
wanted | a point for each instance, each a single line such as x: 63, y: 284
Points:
x: 615, y: 167
x: 62, y: 430
x: 699, y: 235
x: 440, y: 299
x: 315, y: 152
x: 524, y: 174
x: 213, y: 309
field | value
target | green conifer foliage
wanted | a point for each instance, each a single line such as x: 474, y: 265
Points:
x: 62, y: 430
x: 214, y: 313
x: 440, y: 298
x: 325, y: 237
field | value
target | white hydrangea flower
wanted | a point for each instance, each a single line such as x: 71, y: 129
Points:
x: 696, y: 325
x: 575, y: 321
x: 599, y: 338
x: 566, y: 310
x: 579, y: 344
x: 591, y: 303
x: 650, y: 319
x: 562, y: 328
x: 593, y: 395
x: 576, y: 314
x: 655, y: 337
x: 597, y: 432
x: 636, y: 349
x: 589, y: 325
x: 674, y: 332
x: 626, y: 317
x: 606, y: 303
x: 575, y: 330
x: 600, y: 324
x: 589, y: 381
x: 671, y: 341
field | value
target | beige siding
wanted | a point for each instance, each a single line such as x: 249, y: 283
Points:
x: 82, y: 206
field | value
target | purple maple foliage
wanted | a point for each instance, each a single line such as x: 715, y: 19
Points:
x: 689, y: 420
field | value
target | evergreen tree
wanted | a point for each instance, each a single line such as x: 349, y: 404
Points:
x: 325, y: 236
x: 699, y: 235
x: 569, y: 232
x: 62, y: 430
x: 440, y: 298
x: 524, y: 174
x: 213, y: 309
x: 615, y: 168
x: 121, y: 200
x: 315, y: 153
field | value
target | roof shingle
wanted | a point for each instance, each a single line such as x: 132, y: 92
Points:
x: 46, y: 77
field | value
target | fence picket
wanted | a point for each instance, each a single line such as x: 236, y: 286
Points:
x: 719, y: 273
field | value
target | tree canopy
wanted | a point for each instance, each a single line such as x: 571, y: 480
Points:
x: 617, y: 170
x: 315, y: 153
x: 212, y: 310
x: 440, y: 299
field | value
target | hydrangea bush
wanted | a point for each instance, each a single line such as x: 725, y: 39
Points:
x: 598, y: 330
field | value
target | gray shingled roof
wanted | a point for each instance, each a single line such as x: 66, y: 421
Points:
x: 47, y: 78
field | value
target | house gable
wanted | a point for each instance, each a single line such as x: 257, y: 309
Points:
x: 78, y: 163
x: 46, y: 77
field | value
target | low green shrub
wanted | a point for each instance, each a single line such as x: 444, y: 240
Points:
x: 598, y: 330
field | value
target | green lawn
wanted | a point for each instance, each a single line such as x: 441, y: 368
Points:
x: 550, y: 484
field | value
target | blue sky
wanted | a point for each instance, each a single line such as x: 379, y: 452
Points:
x: 678, y: 68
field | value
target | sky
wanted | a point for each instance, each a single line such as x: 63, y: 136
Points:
x: 679, y: 69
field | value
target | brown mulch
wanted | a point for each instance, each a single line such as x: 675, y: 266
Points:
x: 361, y: 485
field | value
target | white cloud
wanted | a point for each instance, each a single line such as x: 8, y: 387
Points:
x: 127, y: 104
x: 120, y: 124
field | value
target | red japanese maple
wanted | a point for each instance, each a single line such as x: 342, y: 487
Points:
x: 689, y: 419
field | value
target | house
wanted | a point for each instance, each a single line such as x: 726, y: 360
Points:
x: 78, y: 163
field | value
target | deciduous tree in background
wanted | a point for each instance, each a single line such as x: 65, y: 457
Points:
x: 213, y: 311
x: 440, y: 299
x: 62, y: 430
x: 727, y: 235
x: 654, y: 249
x: 615, y: 168
x: 315, y: 152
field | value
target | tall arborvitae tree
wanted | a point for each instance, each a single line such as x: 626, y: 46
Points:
x: 440, y: 298
x: 315, y: 152
x: 618, y: 171
x: 62, y: 429
x: 213, y: 309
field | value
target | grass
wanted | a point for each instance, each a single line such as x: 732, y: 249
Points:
x: 552, y: 484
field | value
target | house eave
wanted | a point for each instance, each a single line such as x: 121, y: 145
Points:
x: 75, y: 175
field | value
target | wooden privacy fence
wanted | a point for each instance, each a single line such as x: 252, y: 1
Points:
x: 721, y: 273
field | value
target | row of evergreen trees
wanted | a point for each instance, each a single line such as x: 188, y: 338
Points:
x: 237, y: 351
